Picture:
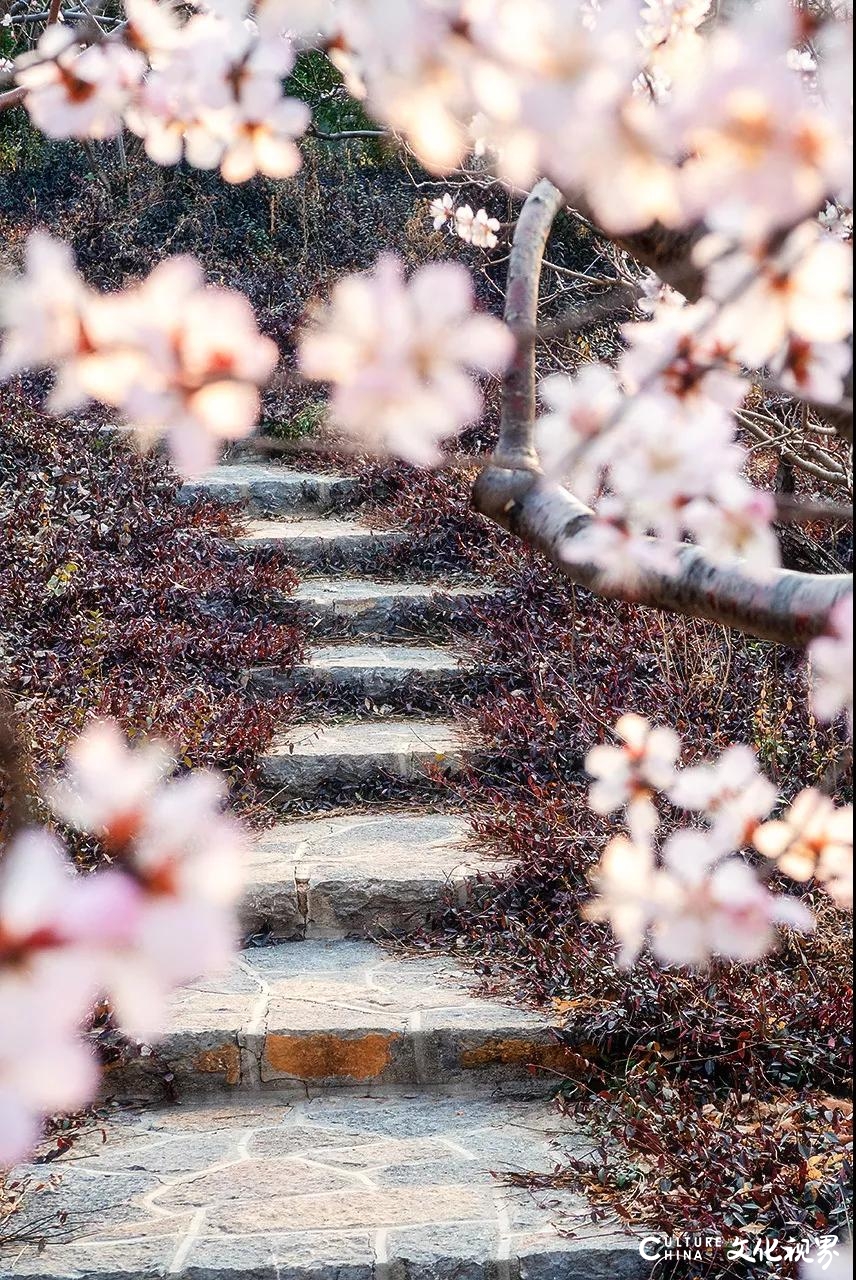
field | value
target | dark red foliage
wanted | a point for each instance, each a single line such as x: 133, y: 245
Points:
x: 118, y: 600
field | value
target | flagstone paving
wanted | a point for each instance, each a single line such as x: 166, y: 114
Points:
x: 339, y: 1110
x: 359, y: 875
x: 406, y: 1187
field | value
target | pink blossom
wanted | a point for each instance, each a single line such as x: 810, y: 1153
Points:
x: 801, y: 290
x: 675, y: 354
x: 625, y: 883
x: 52, y: 926
x: 44, y: 1065
x: 762, y: 151
x: 568, y: 436
x: 41, y: 310
x: 724, y: 911
x: 692, y: 907
x: 108, y: 787
x: 814, y: 370
x: 732, y: 793
x: 45, y: 906
x: 629, y: 775
x: 619, y: 554
x: 74, y: 92
x: 476, y: 228
x: 813, y: 839
x: 442, y: 211
x: 735, y: 522
x: 176, y: 357
x: 398, y: 355
x: 666, y: 455
x: 831, y: 661
x: 180, y: 852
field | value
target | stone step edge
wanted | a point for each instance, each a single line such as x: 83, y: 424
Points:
x: 329, y: 900
x: 369, y: 1061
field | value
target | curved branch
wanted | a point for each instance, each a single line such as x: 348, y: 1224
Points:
x: 12, y: 98
x: 788, y: 607
x: 516, y: 447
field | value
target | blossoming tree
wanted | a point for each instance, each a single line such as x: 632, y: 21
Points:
x: 710, y: 144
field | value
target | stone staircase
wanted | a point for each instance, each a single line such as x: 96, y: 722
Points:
x: 347, y: 1111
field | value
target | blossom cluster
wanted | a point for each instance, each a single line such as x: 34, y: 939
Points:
x: 208, y: 89
x: 176, y: 357
x: 636, y: 89
x: 653, y: 442
x: 477, y: 228
x: 745, y: 126
x: 698, y: 895
x: 160, y: 914
x: 399, y: 354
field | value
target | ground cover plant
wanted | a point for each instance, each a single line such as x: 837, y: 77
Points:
x: 120, y: 602
x: 676, y: 441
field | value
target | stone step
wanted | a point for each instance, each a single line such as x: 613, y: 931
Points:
x: 332, y: 1188
x: 310, y: 756
x: 357, y: 876
x: 315, y: 1015
x: 373, y: 671
x: 316, y: 543
x: 266, y: 489
x: 363, y: 606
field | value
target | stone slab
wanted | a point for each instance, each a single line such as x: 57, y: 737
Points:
x: 357, y: 876
x: 301, y: 1190
x: 323, y: 1014
x: 312, y: 756
x: 268, y: 489
x: 363, y: 606
x: 369, y: 670
x: 309, y: 542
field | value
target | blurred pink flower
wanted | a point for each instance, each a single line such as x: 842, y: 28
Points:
x: 75, y: 92
x: 731, y: 792
x: 398, y: 355
x: 831, y: 661
x: 629, y: 775
x: 814, y: 838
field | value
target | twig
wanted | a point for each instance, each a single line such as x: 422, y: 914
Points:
x: 15, y: 775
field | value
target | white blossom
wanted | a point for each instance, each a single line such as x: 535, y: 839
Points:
x: 831, y: 661
x: 398, y: 355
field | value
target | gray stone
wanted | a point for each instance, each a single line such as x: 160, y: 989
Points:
x: 373, y: 671
x: 267, y: 489
x: 338, y: 1187
x: 311, y: 542
x: 308, y: 757
x: 322, y: 1255
x: 325, y: 1014
x: 357, y: 876
x: 444, y: 1253
x: 597, y: 1254
x: 363, y: 606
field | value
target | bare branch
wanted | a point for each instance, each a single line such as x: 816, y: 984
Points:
x: 348, y: 135
x: 12, y: 98
x: 787, y: 608
x: 668, y: 253
x: 516, y: 447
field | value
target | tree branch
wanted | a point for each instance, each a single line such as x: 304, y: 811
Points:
x: 12, y: 98
x: 516, y: 447
x: 787, y: 608
x: 16, y: 789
